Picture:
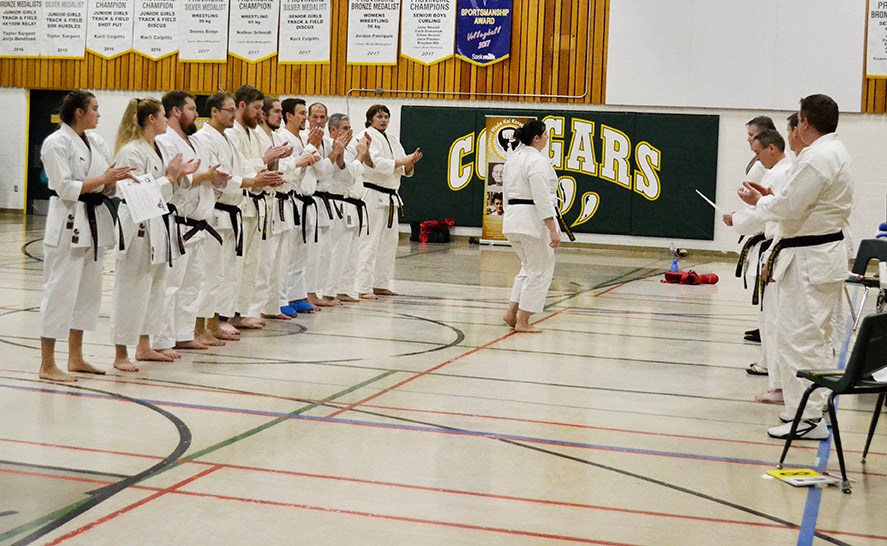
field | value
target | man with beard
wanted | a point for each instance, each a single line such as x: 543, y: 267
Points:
x: 195, y: 210
x: 304, y: 180
x: 243, y: 135
x: 223, y: 270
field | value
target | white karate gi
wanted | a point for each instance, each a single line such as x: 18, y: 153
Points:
x: 376, y: 263
x: 529, y: 175
x: 303, y: 181
x: 343, y: 231
x: 142, y: 264
x: 219, y: 292
x: 72, y: 273
x: 316, y: 268
x: 746, y: 222
x: 817, y: 200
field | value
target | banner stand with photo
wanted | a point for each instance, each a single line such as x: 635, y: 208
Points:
x: 500, y: 131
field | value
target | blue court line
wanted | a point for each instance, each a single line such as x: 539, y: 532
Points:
x: 814, y: 494
x: 416, y: 428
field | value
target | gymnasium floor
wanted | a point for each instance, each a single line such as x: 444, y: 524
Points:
x: 421, y: 420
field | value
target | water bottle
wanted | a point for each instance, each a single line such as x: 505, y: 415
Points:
x: 674, y: 266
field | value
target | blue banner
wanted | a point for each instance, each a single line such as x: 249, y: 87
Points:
x: 483, y: 31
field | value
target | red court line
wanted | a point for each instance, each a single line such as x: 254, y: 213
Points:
x: 132, y: 506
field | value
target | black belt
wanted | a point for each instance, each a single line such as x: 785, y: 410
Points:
x: 743, y: 254
x: 795, y: 242
x: 330, y: 207
x: 93, y: 200
x: 394, y: 200
x: 197, y: 226
x: 256, y: 197
x: 174, y: 215
x: 326, y: 197
x: 307, y: 201
x: 557, y: 213
x: 361, y: 206
x: 236, y: 218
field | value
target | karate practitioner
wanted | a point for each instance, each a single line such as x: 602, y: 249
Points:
x: 530, y: 223
x: 219, y: 292
x: 254, y: 289
x: 79, y: 227
x: 769, y: 149
x: 147, y: 248
x: 348, y: 218
x: 195, y: 213
x: 808, y: 260
x: 388, y: 163
x: 304, y: 182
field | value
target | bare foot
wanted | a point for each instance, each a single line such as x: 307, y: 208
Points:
x: 207, y: 340
x: 191, y: 345
x: 248, y: 323
x: 369, y: 297
x: 125, y: 365
x: 279, y: 316
x: 526, y: 328
x: 332, y: 299
x: 149, y: 354
x: 223, y: 335
x: 345, y: 298
x: 384, y: 292
x: 170, y: 353
x: 228, y: 328
x: 83, y: 366
x: 55, y: 374
x: 320, y: 302
x: 510, y: 319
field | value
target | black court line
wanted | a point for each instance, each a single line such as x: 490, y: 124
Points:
x: 56, y: 520
x: 63, y: 469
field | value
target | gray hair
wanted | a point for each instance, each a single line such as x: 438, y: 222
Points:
x: 336, y: 120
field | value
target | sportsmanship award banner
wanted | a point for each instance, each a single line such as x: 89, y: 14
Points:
x: 20, y: 33
x: 621, y: 173
x: 63, y: 29
x: 499, y: 133
x: 109, y: 27
x: 428, y: 31
x: 483, y: 31
x: 876, y: 48
x: 253, y: 31
x: 205, y: 31
x: 155, y: 32
x: 372, y: 32
x: 305, y: 31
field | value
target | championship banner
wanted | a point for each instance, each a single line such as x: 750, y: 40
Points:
x: 428, y: 31
x: 205, y: 36
x: 483, y: 31
x: 63, y: 29
x: 876, y: 45
x: 372, y: 32
x: 21, y: 28
x: 109, y: 27
x: 620, y: 173
x: 499, y: 133
x: 155, y: 32
x: 305, y: 31
x: 253, y: 29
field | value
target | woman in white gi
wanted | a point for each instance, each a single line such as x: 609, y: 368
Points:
x: 78, y: 229
x: 147, y: 247
x: 529, y: 223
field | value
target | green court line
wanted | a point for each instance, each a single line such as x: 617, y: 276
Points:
x: 224, y: 443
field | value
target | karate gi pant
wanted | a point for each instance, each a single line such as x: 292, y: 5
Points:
x: 271, y: 273
x: 72, y: 289
x: 376, y: 263
x: 180, y: 302
x: 803, y: 335
x: 252, y: 291
x: 537, y: 269
x: 295, y: 287
x: 767, y: 325
x: 218, y: 292
x: 139, y: 287
x: 340, y: 275
x: 317, y: 266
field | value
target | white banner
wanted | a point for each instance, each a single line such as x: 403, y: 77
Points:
x: 205, y: 35
x: 372, y: 32
x: 20, y: 32
x: 876, y: 48
x: 155, y: 32
x: 305, y: 31
x: 63, y: 29
x: 253, y: 30
x: 428, y: 31
x: 109, y: 27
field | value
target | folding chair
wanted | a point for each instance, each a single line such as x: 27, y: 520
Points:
x: 869, y: 249
x: 869, y: 355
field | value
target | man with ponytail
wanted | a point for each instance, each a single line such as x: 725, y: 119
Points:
x: 79, y: 227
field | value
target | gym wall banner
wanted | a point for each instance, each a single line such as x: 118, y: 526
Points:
x: 483, y: 31
x: 621, y: 173
x: 499, y: 131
